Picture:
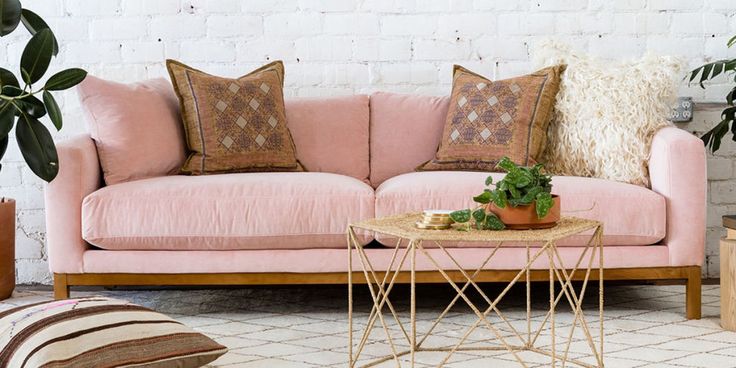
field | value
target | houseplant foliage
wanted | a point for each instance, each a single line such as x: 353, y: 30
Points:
x: 20, y: 105
x: 521, y: 186
x: 712, y: 138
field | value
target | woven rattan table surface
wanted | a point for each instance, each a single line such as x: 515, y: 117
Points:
x: 404, y: 226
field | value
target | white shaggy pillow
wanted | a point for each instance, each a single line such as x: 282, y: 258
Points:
x: 607, y: 113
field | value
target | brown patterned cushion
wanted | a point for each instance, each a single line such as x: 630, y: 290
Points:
x: 99, y: 332
x: 234, y: 125
x: 489, y: 120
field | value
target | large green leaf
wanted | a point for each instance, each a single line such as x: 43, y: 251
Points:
x: 7, y: 78
x: 7, y: 118
x: 543, y: 204
x: 31, y: 106
x: 34, y: 23
x: 36, y: 56
x: 479, y: 216
x: 53, y: 108
x: 483, y: 198
x: 37, y: 147
x: 65, y: 79
x: 3, y: 148
x: 492, y: 222
x: 460, y: 216
x: 9, y: 15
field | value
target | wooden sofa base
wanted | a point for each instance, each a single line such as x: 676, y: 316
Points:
x: 689, y: 275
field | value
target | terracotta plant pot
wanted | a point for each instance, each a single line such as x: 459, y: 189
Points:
x: 7, y: 247
x: 525, y: 217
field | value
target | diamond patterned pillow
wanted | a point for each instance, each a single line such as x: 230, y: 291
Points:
x: 234, y: 125
x: 489, y: 120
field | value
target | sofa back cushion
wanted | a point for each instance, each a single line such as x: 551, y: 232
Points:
x: 136, y: 128
x: 405, y: 132
x: 331, y: 134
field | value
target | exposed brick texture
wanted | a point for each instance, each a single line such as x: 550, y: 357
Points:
x: 340, y: 47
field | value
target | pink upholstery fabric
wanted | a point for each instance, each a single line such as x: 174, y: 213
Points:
x: 331, y: 134
x: 136, y: 128
x: 79, y: 175
x: 231, y: 211
x: 677, y: 171
x: 405, y: 132
x: 336, y: 260
x: 632, y: 215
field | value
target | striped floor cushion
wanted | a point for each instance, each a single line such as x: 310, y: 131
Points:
x: 99, y: 332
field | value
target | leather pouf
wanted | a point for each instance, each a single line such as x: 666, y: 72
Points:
x: 7, y: 247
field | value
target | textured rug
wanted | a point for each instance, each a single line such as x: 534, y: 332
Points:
x: 307, y: 327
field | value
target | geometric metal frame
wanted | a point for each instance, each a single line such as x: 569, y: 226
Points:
x: 381, y: 287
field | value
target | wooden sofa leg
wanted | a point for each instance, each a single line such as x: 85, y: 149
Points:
x: 693, y: 293
x: 61, y: 288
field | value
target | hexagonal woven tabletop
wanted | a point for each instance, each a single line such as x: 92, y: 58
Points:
x: 404, y: 226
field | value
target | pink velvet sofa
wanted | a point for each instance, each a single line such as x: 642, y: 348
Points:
x: 361, y: 151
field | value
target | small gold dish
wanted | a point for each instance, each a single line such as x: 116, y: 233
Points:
x: 422, y: 225
x: 435, y: 220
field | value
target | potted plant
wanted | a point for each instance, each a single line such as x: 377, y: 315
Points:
x: 21, y: 109
x: 712, y: 138
x: 523, y: 199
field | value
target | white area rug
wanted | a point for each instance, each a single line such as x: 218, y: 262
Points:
x: 307, y: 327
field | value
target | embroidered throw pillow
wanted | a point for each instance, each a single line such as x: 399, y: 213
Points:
x: 234, y: 125
x: 607, y: 113
x: 488, y: 120
x: 99, y: 332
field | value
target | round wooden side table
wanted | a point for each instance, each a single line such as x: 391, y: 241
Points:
x: 728, y: 284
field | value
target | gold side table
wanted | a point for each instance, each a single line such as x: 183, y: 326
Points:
x: 411, y: 242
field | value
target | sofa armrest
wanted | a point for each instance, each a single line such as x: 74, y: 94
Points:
x: 79, y: 175
x: 677, y: 169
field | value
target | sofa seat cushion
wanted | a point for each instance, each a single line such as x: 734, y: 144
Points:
x: 227, y: 212
x: 631, y: 214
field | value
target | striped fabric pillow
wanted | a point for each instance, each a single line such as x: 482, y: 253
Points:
x: 99, y: 332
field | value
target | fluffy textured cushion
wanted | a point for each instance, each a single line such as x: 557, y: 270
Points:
x: 489, y: 120
x: 136, y: 128
x: 224, y: 212
x: 631, y: 215
x: 234, y: 125
x: 405, y: 132
x: 607, y: 113
x: 99, y: 332
x: 331, y: 134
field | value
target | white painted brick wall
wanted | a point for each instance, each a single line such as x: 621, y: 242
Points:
x: 338, y: 47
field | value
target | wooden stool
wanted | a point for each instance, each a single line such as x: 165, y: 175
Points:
x: 728, y: 284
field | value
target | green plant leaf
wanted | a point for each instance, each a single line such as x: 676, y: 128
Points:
x: 500, y: 199
x: 492, y: 222
x: 531, y: 195
x: 543, y: 204
x: 53, y: 108
x: 65, y: 79
x: 506, y: 164
x: 10, y: 11
x: 31, y: 106
x: 37, y: 147
x: 3, y: 147
x: 7, y: 118
x: 460, y: 216
x: 731, y: 42
x: 483, y: 198
x: 36, y: 56
x: 489, y: 180
x: 35, y: 23
x: 479, y: 216
x: 7, y: 78
x: 515, y: 194
x: 12, y: 91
